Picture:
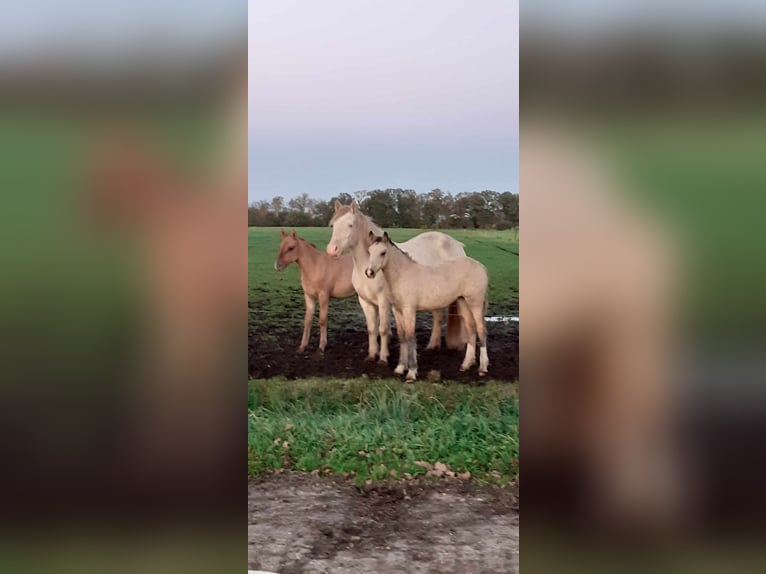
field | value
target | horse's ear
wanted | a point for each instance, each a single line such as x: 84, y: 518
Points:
x: 337, y: 205
x: 282, y: 231
x: 294, y: 237
x: 371, y: 235
x: 388, y: 239
x: 354, y: 206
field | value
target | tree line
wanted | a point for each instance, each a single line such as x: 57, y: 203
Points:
x: 396, y: 208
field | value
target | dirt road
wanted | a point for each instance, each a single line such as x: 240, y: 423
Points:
x: 300, y: 523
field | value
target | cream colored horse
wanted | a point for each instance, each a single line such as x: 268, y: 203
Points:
x: 415, y: 287
x: 350, y: 232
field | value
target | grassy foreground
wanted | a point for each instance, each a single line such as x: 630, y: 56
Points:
x: 376, y: 429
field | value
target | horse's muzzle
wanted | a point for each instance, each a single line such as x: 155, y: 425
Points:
x: 277, y: 266
x: 370, y: 273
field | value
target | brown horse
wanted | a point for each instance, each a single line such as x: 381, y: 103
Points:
x: 322, y: 277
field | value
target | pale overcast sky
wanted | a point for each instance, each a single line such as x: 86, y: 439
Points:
x: 373, y: 94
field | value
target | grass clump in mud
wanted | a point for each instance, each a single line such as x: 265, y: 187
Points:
x: 380, y: 429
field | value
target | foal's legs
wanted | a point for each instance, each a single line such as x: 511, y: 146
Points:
x: 371, y: 317
x: 408, y: 320
x: 470, y: 325
x: 436, y: 332
x: 478, y: 316
x: 324, y: 303
x: 310, y: 308
x: 403, y: 359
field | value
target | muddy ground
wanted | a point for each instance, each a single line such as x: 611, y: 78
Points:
x: 300, y: 523
x: 275, y: 333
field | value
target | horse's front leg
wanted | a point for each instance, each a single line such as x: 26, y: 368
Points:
x: 384, y: 327
x: 371, y: 317
x: 408, y: 319
x: 324, y: 303
x: 436, y: 332
x: 310, y: 308
x: 403, y: 358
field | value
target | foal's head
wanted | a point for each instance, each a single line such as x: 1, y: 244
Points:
x: 378, y: 253
x: 288, y: 250
x: 345, y: 228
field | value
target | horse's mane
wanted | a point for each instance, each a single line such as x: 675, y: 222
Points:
x: 309, y: 242
x: 379, y: 239
x: 376, y: 229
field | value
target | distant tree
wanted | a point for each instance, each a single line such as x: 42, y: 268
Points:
x: 381, y: 206
x: 360, y: 196
x: 509, y: 207
x: 344, y: 198
x: 259, y: 213
x: 278, y: 208
x: 396, y: 208
x: 323, y: 211
x: 407, y: 208
x: 431, y: 208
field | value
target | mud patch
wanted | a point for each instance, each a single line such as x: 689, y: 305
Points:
x: 274, y: 336
x: 299, y: 523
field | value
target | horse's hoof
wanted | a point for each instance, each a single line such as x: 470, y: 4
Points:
x: 412, y: 375
x: 382, y: 362
x: 433, y: 346
x: 399, y: 370
x: 482, y: 373
x: 301, y: 349
x: 463, y: 368
x: 369, y: 359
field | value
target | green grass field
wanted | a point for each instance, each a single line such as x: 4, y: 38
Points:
x: 486, y: 246
x: 376, y: 429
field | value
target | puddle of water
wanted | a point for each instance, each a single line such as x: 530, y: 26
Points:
x: 501, y: 319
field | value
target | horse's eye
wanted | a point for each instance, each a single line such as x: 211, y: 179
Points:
x: 382, y: 252
x: 351, y: 225
x: 291, y: 248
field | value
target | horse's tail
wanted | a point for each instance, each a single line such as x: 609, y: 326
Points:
x: 455, y: 332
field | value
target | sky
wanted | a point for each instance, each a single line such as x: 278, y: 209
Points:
x: 365, y: 94
x: 94, y: 28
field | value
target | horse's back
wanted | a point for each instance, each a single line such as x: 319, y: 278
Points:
x: 433, y: 247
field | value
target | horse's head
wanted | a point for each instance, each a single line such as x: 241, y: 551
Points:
x: 288, y: 250
x: 345, y: 228
x: 378, y: 254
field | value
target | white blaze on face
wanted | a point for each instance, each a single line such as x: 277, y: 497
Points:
x: 342, y: 233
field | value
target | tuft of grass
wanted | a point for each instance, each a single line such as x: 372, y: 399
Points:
x: 369, y: 428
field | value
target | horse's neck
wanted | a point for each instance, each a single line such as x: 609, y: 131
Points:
x: 396, y: 268
x: 360, y: 252
x: 307, y: 256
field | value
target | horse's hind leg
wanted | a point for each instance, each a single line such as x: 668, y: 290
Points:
x: 403, y: 356
x: 384, y: 328
x: 470, y: 325
x: 324, y: 303
x: 310, y: 308
x: 370, y: 316
x: 481, y: 329
x: 436, y: 332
